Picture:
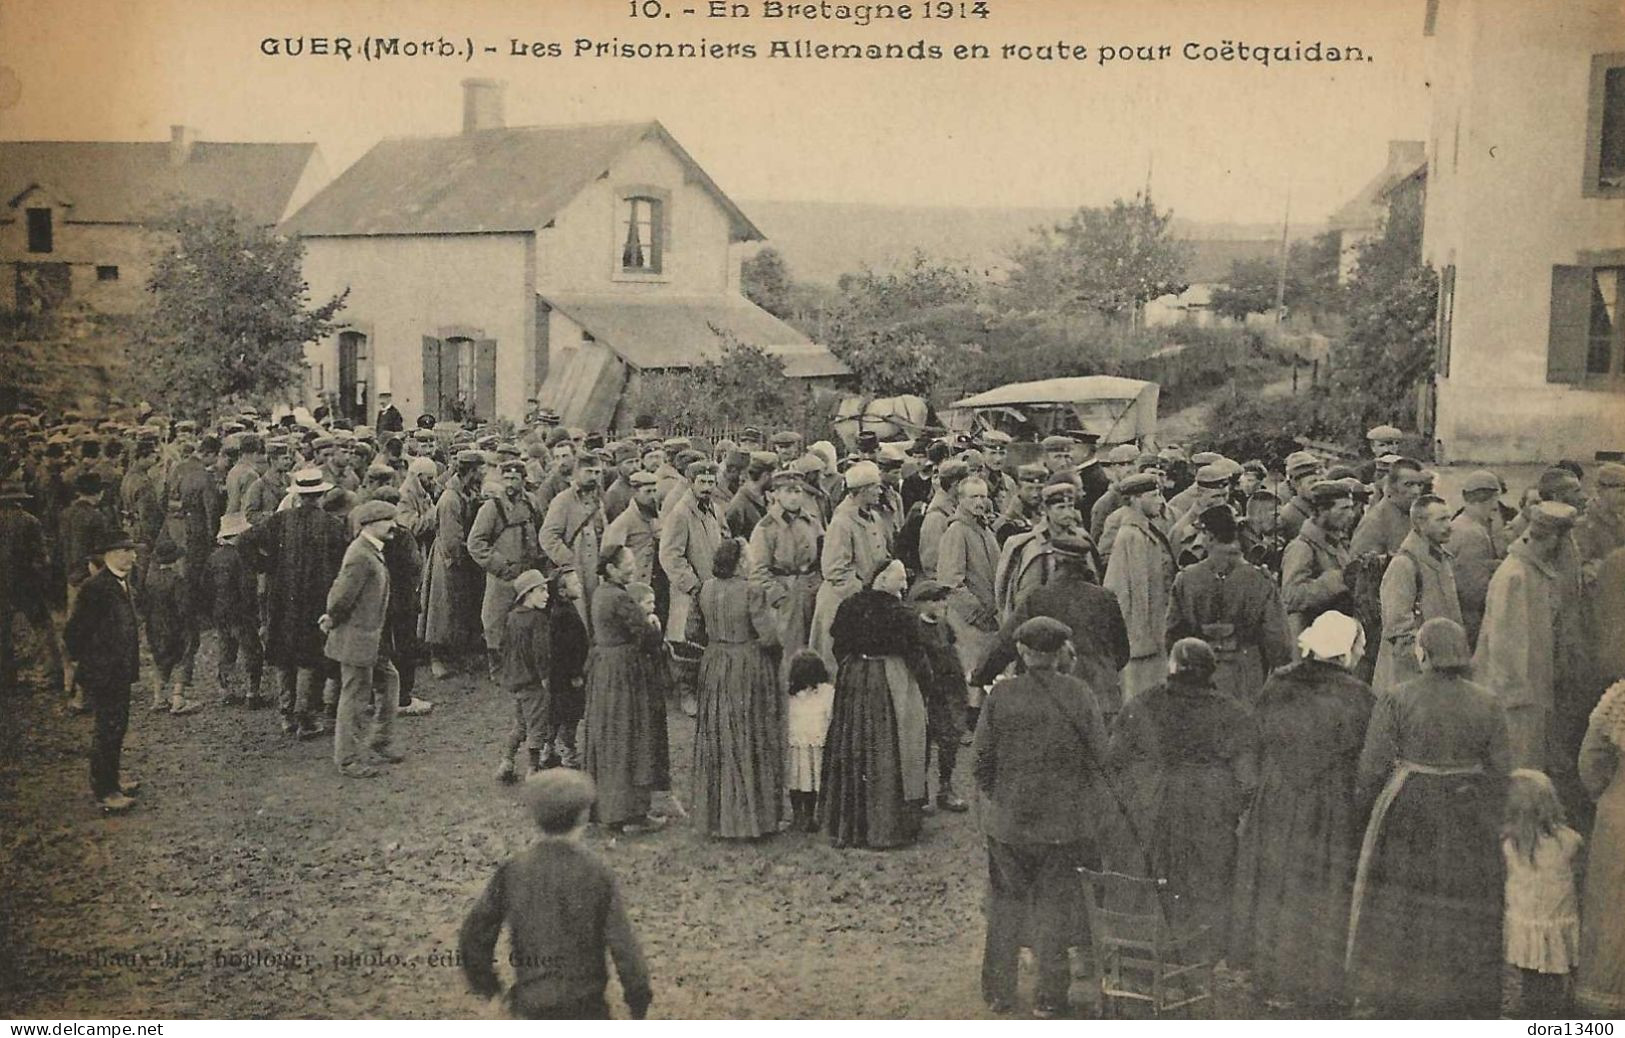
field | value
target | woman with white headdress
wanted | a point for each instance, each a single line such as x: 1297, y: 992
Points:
x: 1301, y: 837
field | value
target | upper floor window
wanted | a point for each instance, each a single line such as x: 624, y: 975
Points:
x: 642, y: 235
x: 1605, y: 127
x: 39, y: 230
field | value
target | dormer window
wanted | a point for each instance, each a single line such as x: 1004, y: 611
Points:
x: 642, y: 234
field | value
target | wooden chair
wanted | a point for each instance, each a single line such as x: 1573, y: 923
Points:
x: 1139, y: 957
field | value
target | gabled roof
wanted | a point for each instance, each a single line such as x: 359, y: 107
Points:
x: 665, y: 332
x: 512, y: 179
x: 133, y: 181
x: 1367, y: 209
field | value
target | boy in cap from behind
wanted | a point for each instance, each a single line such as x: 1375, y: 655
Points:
x: 527, y: 656
x: 171, y: 636
x: 231, y: 597
x: 562, y: 908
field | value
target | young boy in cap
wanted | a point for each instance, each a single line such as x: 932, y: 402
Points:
x: 233, y: 602
x: 526, y: 671
x: 947, y: 694
x: 563, y: 911
x: 170, y: 633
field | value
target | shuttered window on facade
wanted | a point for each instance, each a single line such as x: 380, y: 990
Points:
x: 1586, y: 339
x: 459, y: 378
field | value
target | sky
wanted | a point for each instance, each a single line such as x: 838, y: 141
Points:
x: 1221, y: 141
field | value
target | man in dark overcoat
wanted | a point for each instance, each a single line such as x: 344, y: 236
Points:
x: 102, y: 634
x: 24, y: 566
x: 300, y: 550
x: 1039, y: 752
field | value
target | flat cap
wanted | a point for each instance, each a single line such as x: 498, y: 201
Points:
x: 1218, y: 520
x: 1483, y: 479
x: 1206, y: 457
x: 750, y: 434
x: 1043, y: 634
x: 1611, y: 474
x: 785, y: 477
x: 642, y: 479
x: 677, y: 443
x: 372, y: 512
x: 1122, y: 454
x: 1328, y: 490
x: 1073, y: 546
x: 863, y: 474
x: 556, y: 797
x: 1384, y: 432
x: 1171, y: 452
x: 1357, y: 490
x: 952, y: 471
x: 993, y: 438
x: 785, y: 438
x: 470, y: 457
x: 1553, y: 517
x: 1299, y: 463
x: 1057, y: 444
x: 1032, y: 472
x: 700, y: 467
x: 1139, y: 483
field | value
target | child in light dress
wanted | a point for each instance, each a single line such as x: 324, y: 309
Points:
x: 812, y: 698
x: 1542, y: 926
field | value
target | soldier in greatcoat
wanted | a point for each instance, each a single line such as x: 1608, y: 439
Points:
x: 1141, y: 573
x: 452, y: 582
x: 1312, y: 578
x: 1418, y: 585
x: 783, y: 562
x: 573, y: 529
x: 690, y: 533
x: 502, y: 542
x: 853, y: 552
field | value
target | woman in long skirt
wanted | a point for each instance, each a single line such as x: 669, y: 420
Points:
x: 626, y: 749
x: 567, y: 684
x: 1600, y: 987
x: 740, y: 729
x: 1300, y: 840
x: 874, y: 757
x: 1425, y: 922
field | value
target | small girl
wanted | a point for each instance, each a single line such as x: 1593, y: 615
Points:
x: 812, y: 697
x: 1542, y: 929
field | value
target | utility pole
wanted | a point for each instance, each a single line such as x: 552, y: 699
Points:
x: 1280, y: 266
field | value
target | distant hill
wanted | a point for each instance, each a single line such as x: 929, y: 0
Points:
x: 823, y: 240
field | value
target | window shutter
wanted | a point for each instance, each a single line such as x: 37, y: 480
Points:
x: 431, y: 376
x: 1447, y: 306
x: 1570, y: 324
x: 544, y: 334
x: 485, y: 378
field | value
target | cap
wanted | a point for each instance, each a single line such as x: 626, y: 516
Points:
x: 1384, y: 432
x: 1061, y: 491
x: 1206, y: 457
x: 868, y: 440
x: 1300, y: 463
x: 1211, y: 476
x: 863, y: 474
x: 548, y: 416
x: 1043, y: 634
x: 1483, y: 479
x: 1139, y: 483
x: 1192, y: 656
x: 232, y: 524
x: 750, y: 434
x: 1171, y: 453
x: 677, y: 443
x: 1552, y: 516
x: 556, y: 797
x: 928, y: 590
x: 380, y: 468
x: 310, y: 481
x: 470, y: 457
x: 642, y: 479
x: 1032, y: 472
x: 1326, y: 491
x: 527, y: 582
x: 1073, y: 546
x: 1057, y: 444
x: 952, y: 471
x: 698, y: 468
x: 785, y: 438
x: 1357, y: 490
x: 1122, y: 454
x: 1444, y: 643
x: 785, y: 477
x: 1610, y: 474
x: 993, y: 438
x: 372, y: 512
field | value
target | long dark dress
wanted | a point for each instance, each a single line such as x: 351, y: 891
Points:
x: 1187, y: 757
x: 1425, y: 925
x: 1301, y: 837
x: 626, y: 751
x: 874, y: 757
x: 739, y: 732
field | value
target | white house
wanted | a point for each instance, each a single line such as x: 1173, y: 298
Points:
x: 500, y: 263
x: 1525, y: 221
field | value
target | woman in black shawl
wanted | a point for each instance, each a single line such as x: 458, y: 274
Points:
x: 874, y: 757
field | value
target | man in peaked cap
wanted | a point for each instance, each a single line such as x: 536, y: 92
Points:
x: 1313, y: 562
x: 1039, y: 751
x: 787, y: 445
x: 502, y: 541
x: 1026, y: 561
x: 1140, y: 571
x: 1516, y: 657
x: 1025, y: 507
x: 1601, y: 529
x: 690, y: 533
x: 1057, y: 454
x: 749, y: 501
x: 1233, y: 606
x: 1478, y: 542
x: 783, y: 561
x: 358, y: 640
x: 1303, y: 470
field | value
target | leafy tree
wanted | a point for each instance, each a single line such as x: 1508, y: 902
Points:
x: 743, y: 385
x: 230, y: 314
x: 1109, y: 260
x: 919, y: 284
x: 1388, y: 351
x: 1311, y: 281
x: 889, y: 362
x: 766, y: 281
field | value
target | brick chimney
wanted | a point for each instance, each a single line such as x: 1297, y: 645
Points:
x: 482, y: 104
x: 181, y: 139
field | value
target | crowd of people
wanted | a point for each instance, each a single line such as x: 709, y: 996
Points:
x: 1364, y: 734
